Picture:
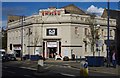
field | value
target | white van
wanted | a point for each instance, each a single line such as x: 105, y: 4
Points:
x: 2, y: 52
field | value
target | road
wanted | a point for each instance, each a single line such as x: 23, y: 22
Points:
x: 53, y: 69
x: 73, y: 72
x: 8, y: 71
x: 0, y: 68
x: 15, y: 71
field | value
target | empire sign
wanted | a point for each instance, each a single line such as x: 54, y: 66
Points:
x: 50, y: 13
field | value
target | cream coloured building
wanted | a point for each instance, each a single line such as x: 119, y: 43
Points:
x: 58, y: 31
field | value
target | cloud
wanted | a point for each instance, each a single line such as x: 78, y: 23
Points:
x: 35, y: 13
x: 95, y: 10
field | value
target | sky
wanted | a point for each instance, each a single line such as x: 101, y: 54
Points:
x: 30, y: 8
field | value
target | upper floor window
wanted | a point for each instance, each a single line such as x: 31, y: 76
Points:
x: 102, y: 32
x: 110, y: 32
x: 86, y: 31
x: 76, y: 30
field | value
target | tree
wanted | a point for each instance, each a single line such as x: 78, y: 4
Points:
x: 36, y: 40
x: 93, y: 36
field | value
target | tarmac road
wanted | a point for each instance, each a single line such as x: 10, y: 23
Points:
x: 14, y: 69
x: 11, y: 71
x: 69, y: 71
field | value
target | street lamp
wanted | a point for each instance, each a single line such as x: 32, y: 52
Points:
x: 22, y: 21
x: 108, y: 41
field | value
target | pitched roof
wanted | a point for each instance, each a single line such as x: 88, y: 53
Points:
x: 114, y: 14
x: 12, y: 18
x: 72, y: 9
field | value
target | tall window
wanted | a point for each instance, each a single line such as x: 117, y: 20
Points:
x: 85, y: 47
x: 102, y: 48
x: 86, y: 31
x: 110, y: 32
x: 102, y: 32
x: 76, y: 30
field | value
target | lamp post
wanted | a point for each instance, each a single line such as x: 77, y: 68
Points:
x: 108, y: 41
x: 22, y: 20
x: 29, y: 33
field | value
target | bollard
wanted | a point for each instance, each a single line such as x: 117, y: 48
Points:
x: 83, y: 68
x: 40, y: 62
x: 76, y: 59
x: 40, y: 66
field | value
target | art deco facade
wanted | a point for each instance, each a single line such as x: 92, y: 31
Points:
x: 58, y: 31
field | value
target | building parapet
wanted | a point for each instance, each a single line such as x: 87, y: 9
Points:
x: 64, y: 18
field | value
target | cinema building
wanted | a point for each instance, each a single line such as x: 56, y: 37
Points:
x: 63, y: 31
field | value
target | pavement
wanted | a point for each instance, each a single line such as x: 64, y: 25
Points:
x: 34, y: 64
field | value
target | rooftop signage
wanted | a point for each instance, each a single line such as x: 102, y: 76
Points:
x: 51, y: 11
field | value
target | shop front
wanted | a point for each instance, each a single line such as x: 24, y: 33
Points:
x: 17, y: 50
x: 51, y: 48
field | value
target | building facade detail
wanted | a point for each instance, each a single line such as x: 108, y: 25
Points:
x: 55, y: 32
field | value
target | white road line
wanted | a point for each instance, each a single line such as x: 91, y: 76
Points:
x: 9, y: 71
x: 48, y: 67
x: 28, y: 76
x: 67, y: 74
x: 28, y: 68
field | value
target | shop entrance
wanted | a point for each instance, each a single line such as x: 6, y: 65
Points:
x: 52, y: 52
x: 17, y: 52
x: 51, y: 47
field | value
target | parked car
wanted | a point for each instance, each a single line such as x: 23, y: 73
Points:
x: 66, y: 58
x: 57, y: 57
x: 11, y: 57
x: 3, y: 55
x: 2, y: 52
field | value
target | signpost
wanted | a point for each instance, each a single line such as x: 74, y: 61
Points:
x: 108, y: 46
x: 99, y: 43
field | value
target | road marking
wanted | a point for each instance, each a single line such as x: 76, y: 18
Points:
x: 65, y: 64
x: 67, y: 74
x: 5, y: 67
x: 9, y: 71
x: 28, y: 76
x: 48, y: 67
x: 28, y: 68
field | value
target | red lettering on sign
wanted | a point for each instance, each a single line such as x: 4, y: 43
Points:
x: 51, y: 13
x: 43, y: 13
x: 58, y: 12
